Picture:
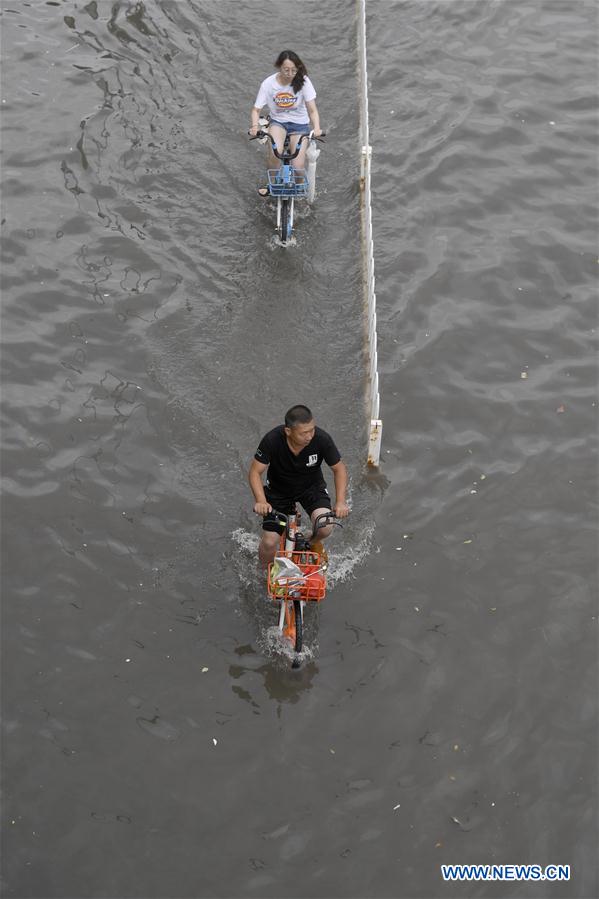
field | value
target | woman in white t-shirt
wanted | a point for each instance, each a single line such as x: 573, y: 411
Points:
x: 289, y: 95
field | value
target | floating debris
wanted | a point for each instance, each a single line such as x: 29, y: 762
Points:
x: 460, y: 824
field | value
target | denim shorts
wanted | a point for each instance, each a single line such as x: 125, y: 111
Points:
x: 294, y: 127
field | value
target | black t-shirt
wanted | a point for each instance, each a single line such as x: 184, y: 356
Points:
x: 288, y: 474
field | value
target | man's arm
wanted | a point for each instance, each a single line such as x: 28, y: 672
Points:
x: 257, y: 469
x: 341, y: 509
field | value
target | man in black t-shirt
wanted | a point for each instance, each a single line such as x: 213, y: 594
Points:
x: 293, y: 454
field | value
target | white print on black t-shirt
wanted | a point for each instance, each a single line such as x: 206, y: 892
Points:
x: 312, y: 460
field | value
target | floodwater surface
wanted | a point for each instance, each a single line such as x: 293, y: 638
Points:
x: 155, y: 742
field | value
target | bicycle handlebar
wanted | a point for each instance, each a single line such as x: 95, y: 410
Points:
x: 326, y: 517
x: 284, y: 155
x: 280, y: 516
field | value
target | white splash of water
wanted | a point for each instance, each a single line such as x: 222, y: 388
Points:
x: 274, y: 644
x: 246, y: 540
x: 276, y: 243
x: 343, y: 564
x: 301, y: 211
x: 245, y: 561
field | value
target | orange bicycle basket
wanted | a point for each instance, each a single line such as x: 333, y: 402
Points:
x: 312, y: 589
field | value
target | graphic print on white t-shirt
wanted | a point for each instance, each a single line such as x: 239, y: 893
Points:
x: 282, y: 101
x: 285, y: 99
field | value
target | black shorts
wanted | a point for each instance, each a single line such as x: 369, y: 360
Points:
x: 315, y: 497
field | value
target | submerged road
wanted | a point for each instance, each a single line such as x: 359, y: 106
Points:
x: 154, y: 745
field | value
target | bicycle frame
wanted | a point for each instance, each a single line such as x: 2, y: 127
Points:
x: 287, y: 183
x: 292, y: 591
x: 287, y: 625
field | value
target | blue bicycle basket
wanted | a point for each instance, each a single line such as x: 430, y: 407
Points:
x: 290, y: 183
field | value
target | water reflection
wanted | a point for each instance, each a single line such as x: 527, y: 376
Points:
x: 282, y: 683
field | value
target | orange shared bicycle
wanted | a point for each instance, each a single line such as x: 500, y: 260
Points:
x: 297, y: 576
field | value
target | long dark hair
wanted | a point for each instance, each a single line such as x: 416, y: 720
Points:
x: 298, y: 78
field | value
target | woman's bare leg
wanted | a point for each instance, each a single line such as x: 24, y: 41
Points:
x: 300, y: 160
x: 278, y: 134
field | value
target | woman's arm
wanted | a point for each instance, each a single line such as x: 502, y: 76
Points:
x: 314, y: 117
x: 254, y: 116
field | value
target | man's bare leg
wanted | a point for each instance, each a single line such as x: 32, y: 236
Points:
x: 321, y: 534
x: 268, y: 547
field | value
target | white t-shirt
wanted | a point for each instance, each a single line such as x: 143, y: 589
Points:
x: 283, y: 104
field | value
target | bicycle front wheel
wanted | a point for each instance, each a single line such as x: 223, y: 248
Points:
x: 299, y: 622
x: 284, y: 221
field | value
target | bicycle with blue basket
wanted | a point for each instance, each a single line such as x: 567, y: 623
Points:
x: 287, y: 184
